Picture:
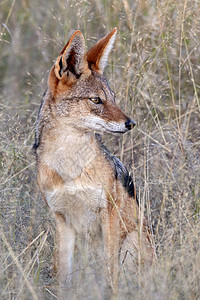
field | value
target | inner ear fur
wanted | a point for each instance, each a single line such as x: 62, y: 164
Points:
x: 97, y: 56
x: 71, y: 60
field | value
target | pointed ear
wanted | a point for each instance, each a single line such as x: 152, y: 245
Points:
x: 71, y: 59
x: 97, y: 56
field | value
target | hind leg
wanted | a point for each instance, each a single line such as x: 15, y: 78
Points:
x: 137, y: 246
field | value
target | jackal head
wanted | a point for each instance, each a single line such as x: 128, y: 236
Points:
x: 80, y: 94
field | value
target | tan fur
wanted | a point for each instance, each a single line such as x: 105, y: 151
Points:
x: 76, y: 179
x: 95, y: 54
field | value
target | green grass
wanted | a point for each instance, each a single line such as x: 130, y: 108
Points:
x: 154, y: 69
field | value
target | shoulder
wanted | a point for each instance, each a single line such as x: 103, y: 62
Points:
x: 121, y: 173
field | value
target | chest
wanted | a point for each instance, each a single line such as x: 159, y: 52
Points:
x: 80, y: 203
x: 86, y: 177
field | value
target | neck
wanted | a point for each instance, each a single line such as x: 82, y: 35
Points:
x: 71, y: 150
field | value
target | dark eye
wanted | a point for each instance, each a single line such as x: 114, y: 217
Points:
x: 96, y: 100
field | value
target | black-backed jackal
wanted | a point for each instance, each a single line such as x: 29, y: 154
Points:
x: 85, y: 186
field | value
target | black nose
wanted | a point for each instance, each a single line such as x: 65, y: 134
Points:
x: 129, y: 124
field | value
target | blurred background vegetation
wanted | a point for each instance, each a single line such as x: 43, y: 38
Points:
x: 154, y: 70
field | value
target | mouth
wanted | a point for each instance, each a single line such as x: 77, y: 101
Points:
x: 117, y: 132
x: 100, y: 127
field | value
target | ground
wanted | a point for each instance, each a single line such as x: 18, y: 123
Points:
x: 154, y: 70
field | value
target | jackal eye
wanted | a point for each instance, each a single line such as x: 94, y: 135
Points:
x: 96, y: 100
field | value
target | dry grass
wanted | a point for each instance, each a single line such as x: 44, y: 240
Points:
x: 154, y: 70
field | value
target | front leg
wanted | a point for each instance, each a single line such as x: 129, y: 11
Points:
x: 111, y: 234
x: 66, y: 242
